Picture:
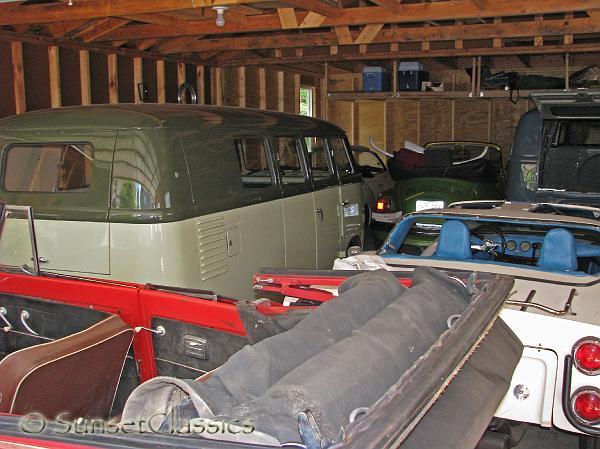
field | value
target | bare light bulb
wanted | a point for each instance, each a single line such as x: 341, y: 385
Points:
x: 220, y: 15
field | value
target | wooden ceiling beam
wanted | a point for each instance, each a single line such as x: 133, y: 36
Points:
x: 439, y: 53
x: 344, y: 36
x: 409, y: 12
x: 10, y: 36
x: 11, y: 14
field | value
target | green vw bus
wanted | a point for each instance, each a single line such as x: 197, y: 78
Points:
x: 185, y: 195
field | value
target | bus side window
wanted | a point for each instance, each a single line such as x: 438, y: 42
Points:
x: 254, y: 165
x: 287, y: 153
x: 319, y: 162
x: 339, y: 152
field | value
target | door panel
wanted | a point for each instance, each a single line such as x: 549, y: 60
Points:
x: 328, y: 228
x: 297, y: 204
x: 300, y: 232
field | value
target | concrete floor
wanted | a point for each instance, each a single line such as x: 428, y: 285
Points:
x: 542, y: 438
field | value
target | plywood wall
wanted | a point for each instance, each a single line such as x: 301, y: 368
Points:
x: 421, y: 119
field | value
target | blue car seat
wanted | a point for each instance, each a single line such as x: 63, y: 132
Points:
x: 558, y: 252
x: 454, y: 241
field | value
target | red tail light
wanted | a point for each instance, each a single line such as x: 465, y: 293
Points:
x: 383, y: 205
x: 586, y: 404
x: 586, y: 355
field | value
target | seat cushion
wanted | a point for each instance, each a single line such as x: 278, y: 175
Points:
x: 558, y: 252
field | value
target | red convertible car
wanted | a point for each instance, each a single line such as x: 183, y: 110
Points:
x: 94, y: 363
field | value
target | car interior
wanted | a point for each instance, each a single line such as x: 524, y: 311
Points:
x: 267, y: 375
x: 557, y: 249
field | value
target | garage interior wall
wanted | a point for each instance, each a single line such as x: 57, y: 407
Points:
x: 40, y: 76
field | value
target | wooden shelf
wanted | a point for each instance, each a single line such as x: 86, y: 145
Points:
x: 387, y: 96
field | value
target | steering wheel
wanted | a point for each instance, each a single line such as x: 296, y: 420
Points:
x: 487, y: 245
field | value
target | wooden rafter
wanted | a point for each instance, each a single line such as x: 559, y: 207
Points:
x: 437, y: 53
x: 409, y: 12
x: 102, y: 27
x: 11, y: 14
x: 343, y: 35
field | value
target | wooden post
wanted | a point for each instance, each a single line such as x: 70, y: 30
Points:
x: 200, y: 84
x: 113, y: 80
x: 567, y: 63
x: 325, y: 91
x: 262, y: 88
x: 54, y: 72
x: 18, y: 76
x: 217, y: 85
x: 242, y: 86
x: 138, y: 78
x: 280, y: 90
x: 84, y: 77
x: 161, y: 95
x: 296, y: 93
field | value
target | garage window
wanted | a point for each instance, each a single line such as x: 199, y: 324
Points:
x: 52, y: 167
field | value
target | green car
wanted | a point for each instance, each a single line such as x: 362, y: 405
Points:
x: 447, y: 172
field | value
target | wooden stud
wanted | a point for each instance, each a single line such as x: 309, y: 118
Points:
x: 113, y: 79
x: 200, y: 84
x: 18, y: 77
x: 333, y: 50
x: 458, y: 43
x: 262, y: 88
x: 242, y: 86
x: 84, y: 77
x: 54, y: 72
x: 161, y: 95
x: 568, y: 38
x: 538, y: 41
x: 297, y: 93
x: 278, y: 52
x: 180, y: 73
x: 425, y: 45
x: 280, y: 90
x: 217, y: 85
x: 325, y: 90
x: 138, y: 78
x: 497, y: 41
